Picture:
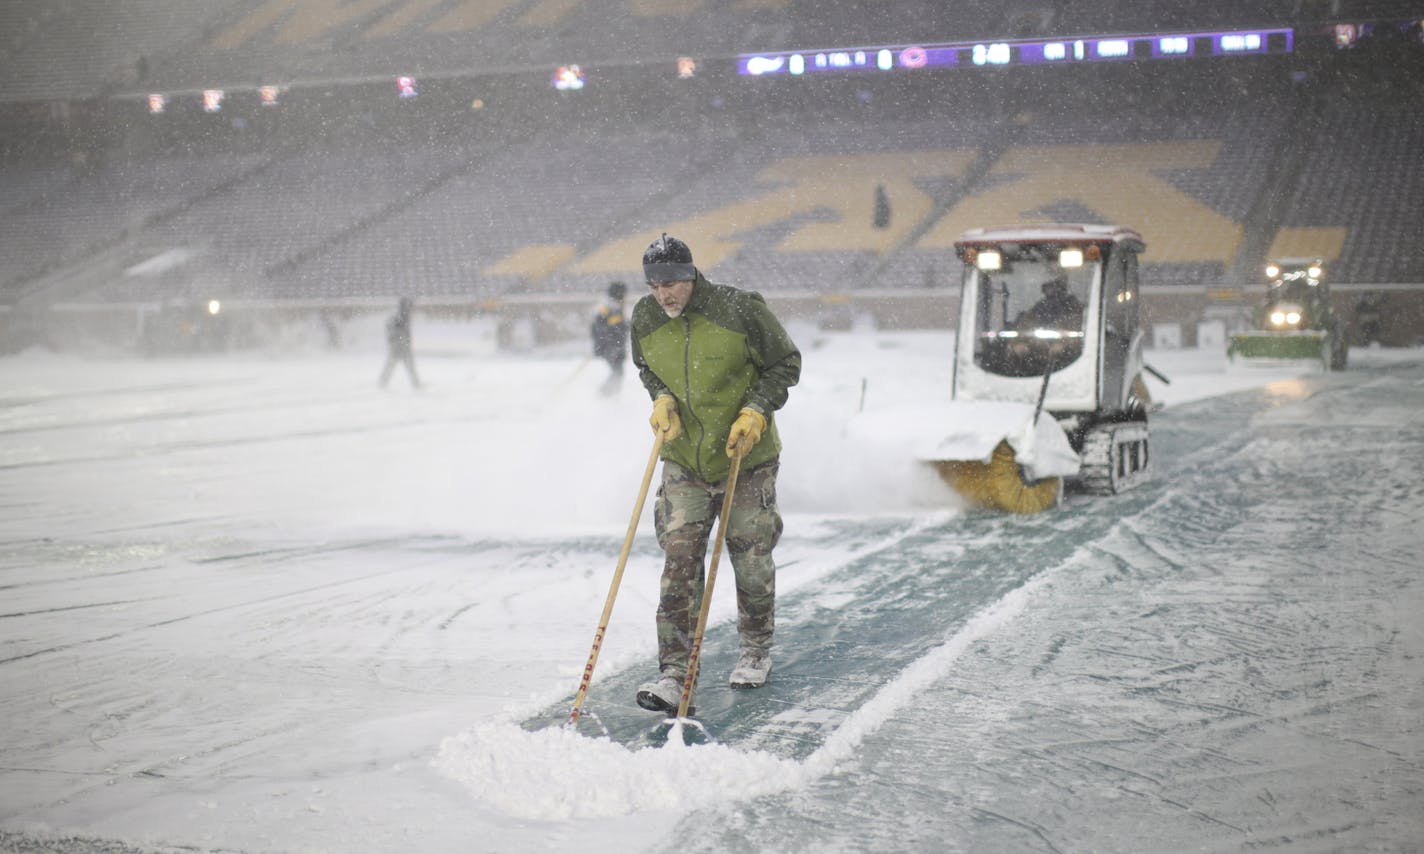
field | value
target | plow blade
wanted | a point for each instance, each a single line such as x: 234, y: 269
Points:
x: 1276, y: 348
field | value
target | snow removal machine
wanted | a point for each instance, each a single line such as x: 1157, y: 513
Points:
x: 1048, y: 369
x: 1296, y: 324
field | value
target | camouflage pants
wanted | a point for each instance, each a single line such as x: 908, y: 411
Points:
x: 685, y: 515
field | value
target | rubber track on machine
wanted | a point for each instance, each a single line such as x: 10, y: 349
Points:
x: 1100, y: 474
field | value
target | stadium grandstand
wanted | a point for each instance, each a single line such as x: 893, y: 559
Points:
x: 288, y: 156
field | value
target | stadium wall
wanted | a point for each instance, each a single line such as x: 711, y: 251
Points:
x: 1172, y: 317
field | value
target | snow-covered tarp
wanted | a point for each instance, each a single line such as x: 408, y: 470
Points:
x: 255, y: 603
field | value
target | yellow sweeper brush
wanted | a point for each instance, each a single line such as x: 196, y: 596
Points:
x: 1000, y: 484
x: 1001, y: 455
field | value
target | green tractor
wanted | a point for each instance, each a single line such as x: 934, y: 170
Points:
x: 1297, y: 322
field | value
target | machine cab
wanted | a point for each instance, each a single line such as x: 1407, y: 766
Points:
x: 1029, y: 307
x: 1296, y: 295
x: 1059, y: 299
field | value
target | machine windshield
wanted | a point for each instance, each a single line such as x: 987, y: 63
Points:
x: 1029, y: 311
x: 1296, y: 296
x: 1301, y: 291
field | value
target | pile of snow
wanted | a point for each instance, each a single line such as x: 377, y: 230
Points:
x: 555, y: 773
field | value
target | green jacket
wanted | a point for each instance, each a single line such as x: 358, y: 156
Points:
x: 725, y: 351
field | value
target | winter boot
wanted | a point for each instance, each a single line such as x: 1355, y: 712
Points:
x: 663, y: 694
x: 752, y: 670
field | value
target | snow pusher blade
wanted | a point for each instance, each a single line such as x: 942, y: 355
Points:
x: 1271, y: 349
x: 1003, y: 455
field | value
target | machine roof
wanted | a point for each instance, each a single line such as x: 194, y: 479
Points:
x: 1051, y: 232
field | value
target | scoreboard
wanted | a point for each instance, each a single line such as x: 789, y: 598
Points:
x: 1054, y: 51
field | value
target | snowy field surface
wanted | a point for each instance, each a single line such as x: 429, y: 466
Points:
x: 255, y: 603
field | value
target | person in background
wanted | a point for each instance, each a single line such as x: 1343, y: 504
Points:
x: 610, y: 335
x: 398, y: 343
x: 717, y: 364
x: 1369, y: 315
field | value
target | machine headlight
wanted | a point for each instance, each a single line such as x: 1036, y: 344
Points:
x: 1070, y: 258
x: 989, y: 259
x: 1272, y: 271
x: 1314, y: 272
x: 1292, y: 317
x: 1278, y: 318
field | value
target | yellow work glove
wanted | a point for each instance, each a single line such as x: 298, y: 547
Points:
x: 746, y: 432
x: 665, y: 419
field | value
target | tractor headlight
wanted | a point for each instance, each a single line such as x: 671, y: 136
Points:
x: 1278, y: 318
x: 1272, y: 271
x: 1292, y: 317
x: 989, y: 259
x: 1314, y: 272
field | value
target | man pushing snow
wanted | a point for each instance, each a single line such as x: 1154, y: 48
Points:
x: 717, y: 364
